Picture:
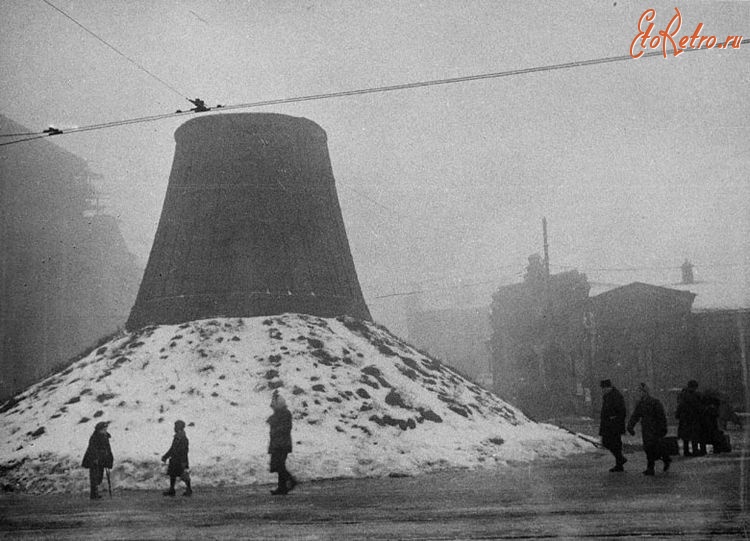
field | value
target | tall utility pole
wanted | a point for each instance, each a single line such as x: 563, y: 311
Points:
x: 546, y: 245
x: 546, y: 311
x: 743, y: 359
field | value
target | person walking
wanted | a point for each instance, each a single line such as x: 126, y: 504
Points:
x: 710, y: 432
x: 97, y: 457
x: 650, y: 413
x: 612, y: 423
x: 280, y: 444
x: 179, y: 465
x: 688, y: 414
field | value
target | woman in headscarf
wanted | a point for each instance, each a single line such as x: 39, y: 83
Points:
x: 97, y: 457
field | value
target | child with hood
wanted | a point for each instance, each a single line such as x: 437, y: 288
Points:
x: 280, y: 444
x: 178, y: 460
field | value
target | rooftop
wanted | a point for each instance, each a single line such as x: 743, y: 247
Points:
x: 719, y: 287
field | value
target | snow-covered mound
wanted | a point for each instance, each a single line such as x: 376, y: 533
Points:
x: 364, y: 404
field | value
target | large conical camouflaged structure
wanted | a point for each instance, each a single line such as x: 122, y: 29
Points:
x: 251, y: 226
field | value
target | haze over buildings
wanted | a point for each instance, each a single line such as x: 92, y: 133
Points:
x: 68, y: 279
x: 637, y: 163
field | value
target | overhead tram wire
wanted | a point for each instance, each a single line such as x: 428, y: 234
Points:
x: 105, y: 125
x: 500, y: 279
x: 452, y: 80
x: 432, y: 289
x: 477, y: 284
x: 19, y: 134
x: 372, y: 90
x: 452, y: 278
x: 126, y: 57
x: 24, y: 140
x: 634, y: 269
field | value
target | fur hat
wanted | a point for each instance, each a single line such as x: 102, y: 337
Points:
x: 605, y: 383
x: 179, y: 425
x: 692, y: 384
x: 277, y: 401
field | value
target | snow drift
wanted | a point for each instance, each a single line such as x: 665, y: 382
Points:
x: 364, y: 404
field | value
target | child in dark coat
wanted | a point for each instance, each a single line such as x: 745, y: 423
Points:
x: 178, y: 460
x: 97, y: 457
x: 280, y: 444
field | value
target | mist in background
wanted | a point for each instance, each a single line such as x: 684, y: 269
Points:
x: 637, y: 163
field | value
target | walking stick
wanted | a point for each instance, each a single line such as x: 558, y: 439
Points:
x: 585, y: 438
x: 109, y: 482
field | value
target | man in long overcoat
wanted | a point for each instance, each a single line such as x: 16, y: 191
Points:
x: 97, y: 457
x: 612, y: 423
x: 650, y: 412
x: 178, y: 460
x: 280, y: 444
x: 689, y: 407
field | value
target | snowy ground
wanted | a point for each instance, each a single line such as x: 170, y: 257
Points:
x: 364, y: 404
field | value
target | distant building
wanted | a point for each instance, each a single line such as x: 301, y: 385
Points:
x: 552, y: 343
x: 718, y: 352
x: 537, y: 343
x: 67, y: 278
x: 670, y: 331
x: 641, y: 333
x: 720, y: 327
x: 552, y: 338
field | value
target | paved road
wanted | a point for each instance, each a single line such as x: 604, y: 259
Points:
x: 573, y: 498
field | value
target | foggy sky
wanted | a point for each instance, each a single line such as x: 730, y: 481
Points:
x: 635, y: 163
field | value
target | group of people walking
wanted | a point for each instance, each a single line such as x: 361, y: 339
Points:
x: 98, y: 457
x: 697, y: 415
x: 648, y: 411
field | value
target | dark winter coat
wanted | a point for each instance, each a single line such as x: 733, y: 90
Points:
x: 177, y: 455
x: 727, y: 414
x: 709, y: 421
x: 688, y: 414
x: 650, y: 412
x: 98, y: 453
x: 281, y: 431
x: 613, y: 414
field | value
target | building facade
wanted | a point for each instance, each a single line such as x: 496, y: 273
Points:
x: 641, y: 333
x: 538, y: 342
x: 67, y: 278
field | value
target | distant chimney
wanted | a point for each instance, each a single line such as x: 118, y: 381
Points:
x: 535, y: 270
x: 687, y: 273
